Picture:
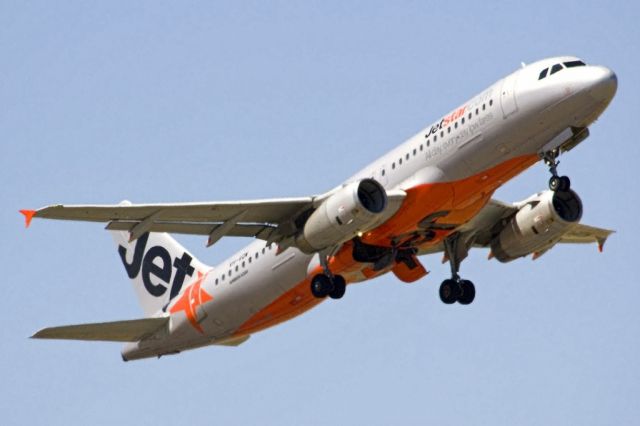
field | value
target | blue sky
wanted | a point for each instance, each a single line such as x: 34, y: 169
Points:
x: 207, y: 101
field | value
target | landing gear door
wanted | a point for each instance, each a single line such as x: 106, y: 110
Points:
x: 508, y: 95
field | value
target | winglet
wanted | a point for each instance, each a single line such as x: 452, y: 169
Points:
x: 28, y: 215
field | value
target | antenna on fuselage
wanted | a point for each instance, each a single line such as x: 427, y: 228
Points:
x: 523, y: 64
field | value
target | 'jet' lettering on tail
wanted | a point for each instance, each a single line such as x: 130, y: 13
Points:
x: 161, y: 269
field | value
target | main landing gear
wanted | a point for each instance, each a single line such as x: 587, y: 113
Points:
x: 456, y: 289
x: 323, y: 285
x: 327, y: 284
x: 556, y: 183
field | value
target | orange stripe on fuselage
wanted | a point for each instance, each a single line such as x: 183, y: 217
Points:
x: 463, y: 199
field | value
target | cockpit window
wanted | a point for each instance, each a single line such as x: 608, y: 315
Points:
x: 572, y: 64
x: 543, y: 73
x: 555, y: 68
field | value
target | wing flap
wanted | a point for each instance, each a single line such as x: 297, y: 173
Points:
x: 239, y: 230
x: 116, y: 331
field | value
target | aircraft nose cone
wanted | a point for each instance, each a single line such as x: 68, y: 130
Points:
x: 604, y: 84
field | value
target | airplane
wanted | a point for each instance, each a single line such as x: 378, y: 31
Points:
x: 432, y: 194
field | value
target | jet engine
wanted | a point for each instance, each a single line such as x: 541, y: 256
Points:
x: 539, y: 223
x: 354, y: 208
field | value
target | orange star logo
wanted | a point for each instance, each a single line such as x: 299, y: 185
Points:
x: 191, y: 298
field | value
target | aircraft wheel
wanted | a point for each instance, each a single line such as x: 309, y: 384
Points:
x: 554, y: 183
x: 468, y: 292
x: 449, y: 291
x: 321, y: 286
x: 339, y: 287
x: 565, y: 183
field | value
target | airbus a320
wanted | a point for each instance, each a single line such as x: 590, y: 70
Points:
x: 431, y: 194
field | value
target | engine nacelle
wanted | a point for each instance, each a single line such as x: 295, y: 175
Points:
x: 354, y: 208
x: 539, y: 223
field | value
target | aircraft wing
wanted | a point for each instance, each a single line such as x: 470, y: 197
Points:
x: 584, y: 234
x: 270, y: 219
x: 480, y: 230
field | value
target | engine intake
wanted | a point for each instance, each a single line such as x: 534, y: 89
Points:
x: 354, y: 208
x: 539, y: 223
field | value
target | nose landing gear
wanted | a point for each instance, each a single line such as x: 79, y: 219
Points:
x: 556, y: 183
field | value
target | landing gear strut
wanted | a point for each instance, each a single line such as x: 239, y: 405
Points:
x: 327, y: 284
x: 556, y: 183
x: 456, y: 289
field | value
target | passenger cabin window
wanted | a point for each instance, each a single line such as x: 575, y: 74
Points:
x: 555, y: 69
x: 543, y: 73
x: 572, y: 64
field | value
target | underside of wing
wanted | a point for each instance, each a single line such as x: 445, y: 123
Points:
x: 117, y: 331
x: 266, y: 219
x: 270, y: 210
x: 278, y: 221
x: 585, y: 234
x: 501, y: 227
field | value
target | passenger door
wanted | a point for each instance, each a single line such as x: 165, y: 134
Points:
x: 508, y: 95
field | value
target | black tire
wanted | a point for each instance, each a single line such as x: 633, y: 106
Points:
x: 565, y: 184
x: 321, y: 286
x: 449, y: 291
x: 339, y: 287
x: 554, y: 183
x: 468, y: 292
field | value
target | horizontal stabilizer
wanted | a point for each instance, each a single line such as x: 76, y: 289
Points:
x: 117, y: 331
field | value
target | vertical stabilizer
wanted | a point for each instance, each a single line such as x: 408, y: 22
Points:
x: 158, y: 267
